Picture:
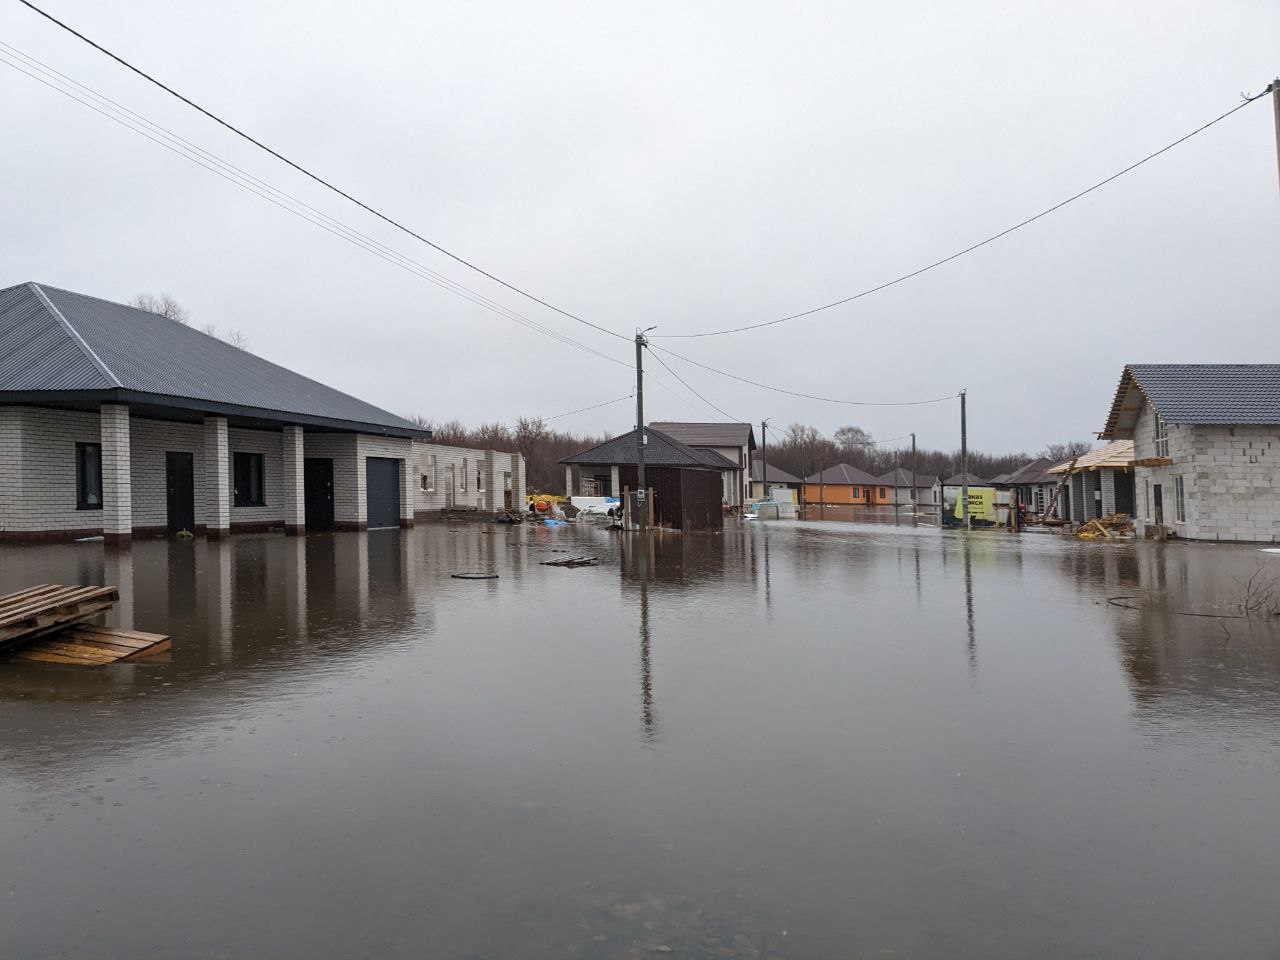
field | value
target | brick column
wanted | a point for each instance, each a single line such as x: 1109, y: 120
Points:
x: 1108, y: 492
x: 217, y: 479
x: 117, y: 486
x: 408, y: 490
x: 517, y: 481
x: 568, y: 480
x: 295, y: 515
x: 492, y: 481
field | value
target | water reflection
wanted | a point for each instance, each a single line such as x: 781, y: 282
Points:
x: 365, y: 756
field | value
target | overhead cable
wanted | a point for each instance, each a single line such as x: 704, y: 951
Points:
x: 972, y: 247
x: 318, y: 179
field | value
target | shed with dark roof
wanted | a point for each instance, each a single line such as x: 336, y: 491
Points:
x: 685, y: 481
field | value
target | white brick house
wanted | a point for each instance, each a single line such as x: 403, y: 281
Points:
x: 120, y: 422
x: 1206, y: 448
x: 460, y: 478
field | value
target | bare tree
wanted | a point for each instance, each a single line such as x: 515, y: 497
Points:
x: 233, y: 337
x: 165, y: 305
x: 1068, y: 450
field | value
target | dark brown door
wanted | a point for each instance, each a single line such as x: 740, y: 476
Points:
x: 180, y: 491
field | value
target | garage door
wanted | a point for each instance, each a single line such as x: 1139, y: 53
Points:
x: 382, y: 489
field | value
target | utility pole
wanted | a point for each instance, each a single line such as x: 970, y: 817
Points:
x: 643, y: 497
x: 1275, y: 102
x: 964, y: 463
x: 764, y: 458
x: 914, y: 497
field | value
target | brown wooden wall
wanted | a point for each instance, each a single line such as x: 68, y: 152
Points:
x: 683, y: 499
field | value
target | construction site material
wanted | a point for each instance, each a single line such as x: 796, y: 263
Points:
x: 572, y: 562
x: 47, y: 624
x: 474, y: 576
x: 1109, y: 527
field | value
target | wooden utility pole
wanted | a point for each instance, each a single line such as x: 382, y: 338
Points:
x: 764, y: 458
x: 1275, y: 103
x: 914, y: 497
x: 964, y: 463
x: 640, y: 485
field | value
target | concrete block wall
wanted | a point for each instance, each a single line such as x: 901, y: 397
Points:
x: 348, y: 508
x: 1231, y: 479
x: 10, y: 466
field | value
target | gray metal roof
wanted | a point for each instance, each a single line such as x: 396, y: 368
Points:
x: 958, y: 480
x: 56, y: 341
x: 708, y: 434
x: 902, y: 478
x: 660, y: 451
x: 776, y: 474
x: 1034, y: 472
x: 1229, y: 394
x: 843, y: 473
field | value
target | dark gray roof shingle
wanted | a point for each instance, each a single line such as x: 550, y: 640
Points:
x: 902, y: 478
x: 56, y: 340
x: 1034, y: 472
x: 1229, y: 394
x: 708, y: 434
x: 776, y: 474
x: 958, y: 480
x: 660, y: 451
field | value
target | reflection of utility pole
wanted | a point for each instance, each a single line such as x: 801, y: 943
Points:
x: 764, y: 459
x: 915, y: 504
x: 964, y: 463
x: 965, y: 545
x: 647, y: 719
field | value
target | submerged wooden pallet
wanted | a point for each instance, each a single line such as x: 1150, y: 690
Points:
x: 572, y: 562
x: 29, y: 613
x: 91, y: 646
x: 46, y: 624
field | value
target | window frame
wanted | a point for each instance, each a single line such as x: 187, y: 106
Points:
x: 1180, y: 499
x: 245, y: 498
x: 82, y: 500
x: 479, y: 477
x: 1161, y: 437
x: 462, y: 477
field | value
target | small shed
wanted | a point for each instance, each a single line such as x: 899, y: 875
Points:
x: 687, y: 489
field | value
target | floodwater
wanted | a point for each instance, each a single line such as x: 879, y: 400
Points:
x: 803, y: 740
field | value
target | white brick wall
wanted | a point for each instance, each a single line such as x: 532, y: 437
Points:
x: 1231, y: 477
x: 396, y: 448
x: 438, y: 463
x: 341, y: 449
x: 150, y: 441
x: 269, y: 443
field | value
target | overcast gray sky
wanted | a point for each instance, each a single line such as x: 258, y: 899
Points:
x: 692, y: 166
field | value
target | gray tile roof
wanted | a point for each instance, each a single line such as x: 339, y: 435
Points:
x: 902, y: 478
x: 708, y: 434
x: 1198, y: 393
x: 53, y: 340
x: 660, y: 451
x: 776, y: 474
x: 843, y: 473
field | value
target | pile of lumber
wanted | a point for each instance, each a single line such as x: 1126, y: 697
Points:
x: 49, y: 623
x: 1107, y: 528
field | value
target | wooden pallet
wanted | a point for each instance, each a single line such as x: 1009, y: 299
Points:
x: 572, y: 562
x: 28, y: 614
x: 87, y: 645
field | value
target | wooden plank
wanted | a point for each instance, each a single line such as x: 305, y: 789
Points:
x: 14, y: 599
x: 159, y: 652
x: 57, y: 601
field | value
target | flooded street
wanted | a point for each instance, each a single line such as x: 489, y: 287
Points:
x: 804, y: 740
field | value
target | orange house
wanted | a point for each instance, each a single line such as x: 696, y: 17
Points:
x: 844, y: 484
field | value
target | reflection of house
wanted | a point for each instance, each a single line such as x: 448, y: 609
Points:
x: 1033, y: 484
x: 842, y: 484
x: 900, y: 483
x: 686, y: 485
x: 117, y: 421
x: 1206, y: 448
x: 460, y: 478
x: 778, y: 478
x: 1101, y: 483
x: 733, y: 441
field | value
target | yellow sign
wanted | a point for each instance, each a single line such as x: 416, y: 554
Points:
x: 982, y: 504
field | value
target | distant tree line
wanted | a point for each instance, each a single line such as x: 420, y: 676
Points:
x: 803, y: 450
x: 168, y: 306
x: 799, y: 449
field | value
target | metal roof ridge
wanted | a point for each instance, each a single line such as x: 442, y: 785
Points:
x: 74, y: 334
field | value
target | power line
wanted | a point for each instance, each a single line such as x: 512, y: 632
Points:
x: 596, y: 406
x: 796, y: 393
x: 241, y: 178
x: 320, y: 180
x: 691, y: 390
x: 972, y: 247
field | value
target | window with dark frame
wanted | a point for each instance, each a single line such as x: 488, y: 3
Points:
x: 248, y: 480
x: 88, y: 476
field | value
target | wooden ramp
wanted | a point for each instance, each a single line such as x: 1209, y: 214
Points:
x: 47, y: 624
